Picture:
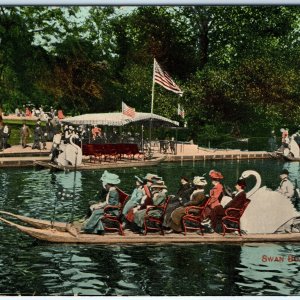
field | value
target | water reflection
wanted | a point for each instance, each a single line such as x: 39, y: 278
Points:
x: 272, y: 268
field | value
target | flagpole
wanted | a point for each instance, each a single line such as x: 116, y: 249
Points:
x: 153, y: 82
x: 152, y: 101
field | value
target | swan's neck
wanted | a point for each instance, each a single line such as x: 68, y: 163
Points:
x: 257, y: 184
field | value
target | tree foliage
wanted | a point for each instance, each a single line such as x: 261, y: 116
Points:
x: 238, y: 65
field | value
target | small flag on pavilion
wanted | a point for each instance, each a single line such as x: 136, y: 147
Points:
x: 163, y: 78
x: 180, y: 111
x: 127, y: 110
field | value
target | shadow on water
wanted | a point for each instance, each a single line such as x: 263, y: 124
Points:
x: 33, y: 268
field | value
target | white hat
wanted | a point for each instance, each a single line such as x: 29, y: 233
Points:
x: 152, y: 177
x: 199, y: 181
x: 111, y: 178
x: 159, y: 184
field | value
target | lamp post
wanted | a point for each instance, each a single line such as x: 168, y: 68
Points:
x: 142, y: 137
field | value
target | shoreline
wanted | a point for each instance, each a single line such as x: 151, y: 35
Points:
x: 16, y: 156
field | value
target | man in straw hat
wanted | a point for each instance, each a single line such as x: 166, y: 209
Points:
x: 196, y: 199
x: 93, y: 224
x: 285, y: 187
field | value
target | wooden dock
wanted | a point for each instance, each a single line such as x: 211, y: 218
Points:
x: 87, y: 165
x: 221, y: 155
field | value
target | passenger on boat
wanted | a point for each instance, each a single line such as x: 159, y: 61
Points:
x: 284, y: 138
x: 146, y: 200
x: 136, y: 195
x: 94, y: 224
x: 100, y: 197
x: 159, y: 194
x: 197, y: 198
x: 216, y: 193
x: 215, y: 196
x: 182, y: 196
x: 238, y: 201
x: 285, y: 187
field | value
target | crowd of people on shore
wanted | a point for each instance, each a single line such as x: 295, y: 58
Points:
x: 27, y: 111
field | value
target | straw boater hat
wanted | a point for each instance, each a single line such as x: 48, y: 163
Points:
x: 199, y: 181
x: 215, y: 175
x: 159, y: 184
x: 111, y: 178
x: 152, y: 177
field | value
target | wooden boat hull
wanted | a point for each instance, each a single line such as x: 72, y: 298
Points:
x: 58, y: 236
x: 37, y: 223
x: 98, y: 166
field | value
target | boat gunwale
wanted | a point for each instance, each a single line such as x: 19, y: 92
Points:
x: 57, y: 236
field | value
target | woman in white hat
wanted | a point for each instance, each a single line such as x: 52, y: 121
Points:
x: 94, y: 224
x: 196, y: 199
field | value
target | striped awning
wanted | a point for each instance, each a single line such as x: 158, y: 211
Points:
x: 117, y: 119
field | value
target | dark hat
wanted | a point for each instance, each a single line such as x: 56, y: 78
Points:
x: 241, y: 183
x: 184, y: 178
x: 284, y: 171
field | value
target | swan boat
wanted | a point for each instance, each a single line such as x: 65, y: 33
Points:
x: 59, y: 232
x: 292, y: 153
x: 268, y: 218
x: 86, y: 165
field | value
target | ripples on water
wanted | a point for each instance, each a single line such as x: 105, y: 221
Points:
x: 28, y: 267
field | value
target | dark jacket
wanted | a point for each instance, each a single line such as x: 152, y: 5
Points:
x: 238, y: 201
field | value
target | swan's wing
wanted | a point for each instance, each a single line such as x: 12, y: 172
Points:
x: 267, y: 211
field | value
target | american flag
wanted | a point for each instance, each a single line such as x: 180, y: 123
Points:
x: 180, y: 111
x: 127, y: 110
x: 163, y: 78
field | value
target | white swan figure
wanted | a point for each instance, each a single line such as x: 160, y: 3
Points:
x: 268, y: 209
x: 71, y: 153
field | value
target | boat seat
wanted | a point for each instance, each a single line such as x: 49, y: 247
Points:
x: 193, y: 217
x: 112, y: 151
x: 154, y: 217
x: 231, y: 221
x: 112, y: 222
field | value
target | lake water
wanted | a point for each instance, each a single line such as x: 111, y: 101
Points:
x: 29, y: 267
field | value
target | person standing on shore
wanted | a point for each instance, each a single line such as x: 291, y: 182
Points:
x: 38, y: 136
x: 49, y: 130
x: 6, y: 135
x: 25, y: 134
x: 1, y: 133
